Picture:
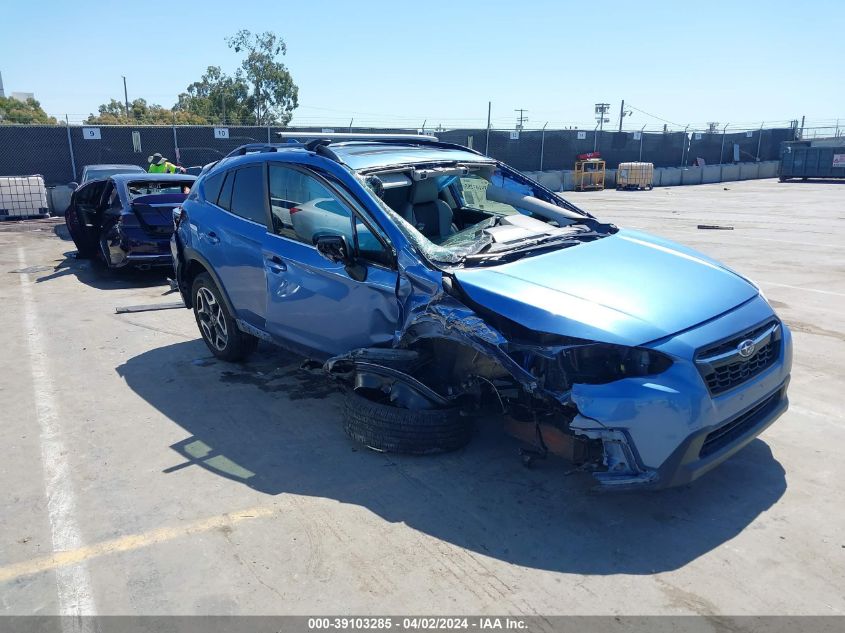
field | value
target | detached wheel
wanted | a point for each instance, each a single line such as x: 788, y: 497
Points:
x: 217, y: 326
x: 390, y: 429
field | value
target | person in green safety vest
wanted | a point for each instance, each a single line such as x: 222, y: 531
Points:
x: 160, y: 165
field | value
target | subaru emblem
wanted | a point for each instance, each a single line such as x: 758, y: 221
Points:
x: 746, y: 348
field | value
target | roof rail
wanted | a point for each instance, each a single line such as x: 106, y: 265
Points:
x: 352, y: 136
x: 255, y: 148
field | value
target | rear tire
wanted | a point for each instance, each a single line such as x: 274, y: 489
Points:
x: 217, y: 326
x: 390, y: 429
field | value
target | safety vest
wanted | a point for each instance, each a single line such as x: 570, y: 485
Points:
x: 166, y: 168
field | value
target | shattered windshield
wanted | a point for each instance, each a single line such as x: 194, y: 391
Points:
x: 145, y: 188
x: 453, y: 212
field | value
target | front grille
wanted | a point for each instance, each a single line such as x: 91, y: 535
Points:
x: 736, y: 428
x: 728, y: 376
x: 723, y: 368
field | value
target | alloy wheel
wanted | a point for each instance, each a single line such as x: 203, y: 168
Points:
x: 211, y: 319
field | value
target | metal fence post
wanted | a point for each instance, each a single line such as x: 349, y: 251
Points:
x: 684, y: 145
x: 487, y: 141
x: 70, y: 147
x: 542, y: 144
x: 175, y: 141
x: 722, y: 151
x: 268, y: 134
x: 759, y: 140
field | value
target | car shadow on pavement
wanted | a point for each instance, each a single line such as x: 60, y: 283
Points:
x: 272, y: 427
x: 93, y: 273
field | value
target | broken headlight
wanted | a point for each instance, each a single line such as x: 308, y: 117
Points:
x: 599, y: 363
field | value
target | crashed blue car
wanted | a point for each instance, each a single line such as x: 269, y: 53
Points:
x: 444, y: 289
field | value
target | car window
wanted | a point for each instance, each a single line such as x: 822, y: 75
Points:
x: 212, y: 186
x: 89, y: 195
x: 225, y: 199
x: 248, y: 194
x: 303, y: 208
x: 147, y: 187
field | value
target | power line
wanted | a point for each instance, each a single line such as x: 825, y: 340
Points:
x: 654, y: 116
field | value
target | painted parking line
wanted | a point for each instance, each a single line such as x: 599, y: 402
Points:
x: 824, y: 292
x: 73, y: 583
x: 70, y: 559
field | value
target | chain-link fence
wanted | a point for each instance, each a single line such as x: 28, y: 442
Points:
x: 60, y: 152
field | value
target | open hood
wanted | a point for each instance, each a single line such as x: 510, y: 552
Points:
x: 627, y: 288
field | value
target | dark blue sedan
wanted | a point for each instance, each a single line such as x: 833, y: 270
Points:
x: 126, y: 219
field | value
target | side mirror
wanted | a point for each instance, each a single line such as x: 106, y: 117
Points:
x: 334, y: 248
x: 73, y: 185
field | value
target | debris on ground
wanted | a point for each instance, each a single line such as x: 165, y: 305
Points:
x: 716, y: 227
x: 149, y: 308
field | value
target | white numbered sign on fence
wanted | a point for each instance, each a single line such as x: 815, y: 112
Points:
x: 91, y: 133
x: 749, y: 134
x: 698, y: 136
x: 221, y: 132
x: 582, y: 136
x: 638, y: 136
x: 514, y: 135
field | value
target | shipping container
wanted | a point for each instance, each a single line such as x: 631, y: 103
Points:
x: 803, y: 159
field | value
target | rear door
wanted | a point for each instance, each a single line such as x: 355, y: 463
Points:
x: 232, y: 243
x: 312, y: 302
x: 82, y: 218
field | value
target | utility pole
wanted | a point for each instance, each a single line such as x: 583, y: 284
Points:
x: 522, y: 118
x: 601, y: 110
x: 125, y: 97
x: 623, y: 113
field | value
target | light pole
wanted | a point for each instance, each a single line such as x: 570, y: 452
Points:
x: 601, y: 110
x: 125, y: 97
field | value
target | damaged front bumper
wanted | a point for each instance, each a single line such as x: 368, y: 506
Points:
x: 650, y: 431
x: 668, y: 430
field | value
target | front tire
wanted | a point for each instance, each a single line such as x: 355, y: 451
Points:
x: 216, y: 324
x: 389, y: 429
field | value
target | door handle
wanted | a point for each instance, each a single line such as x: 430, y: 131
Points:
x: 275, y: 263
x: 212, y: 237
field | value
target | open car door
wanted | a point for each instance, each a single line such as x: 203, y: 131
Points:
x: 82, y: 217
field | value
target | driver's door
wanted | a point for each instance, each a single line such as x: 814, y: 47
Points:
x: 312, y: 302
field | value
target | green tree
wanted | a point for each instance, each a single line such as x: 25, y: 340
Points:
x: 217, y: 97
x: 142, y: 113
x: 274, y: 95
x: 29, y: 111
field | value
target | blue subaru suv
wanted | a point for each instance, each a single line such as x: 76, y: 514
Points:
x: 441, y: 287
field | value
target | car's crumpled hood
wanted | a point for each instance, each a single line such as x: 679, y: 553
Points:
x: 627, y: 288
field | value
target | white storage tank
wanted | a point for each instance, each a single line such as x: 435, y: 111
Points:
x: 23, y: 197
x: 635, y: 176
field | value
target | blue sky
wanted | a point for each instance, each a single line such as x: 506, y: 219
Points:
x: 400, y: 63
